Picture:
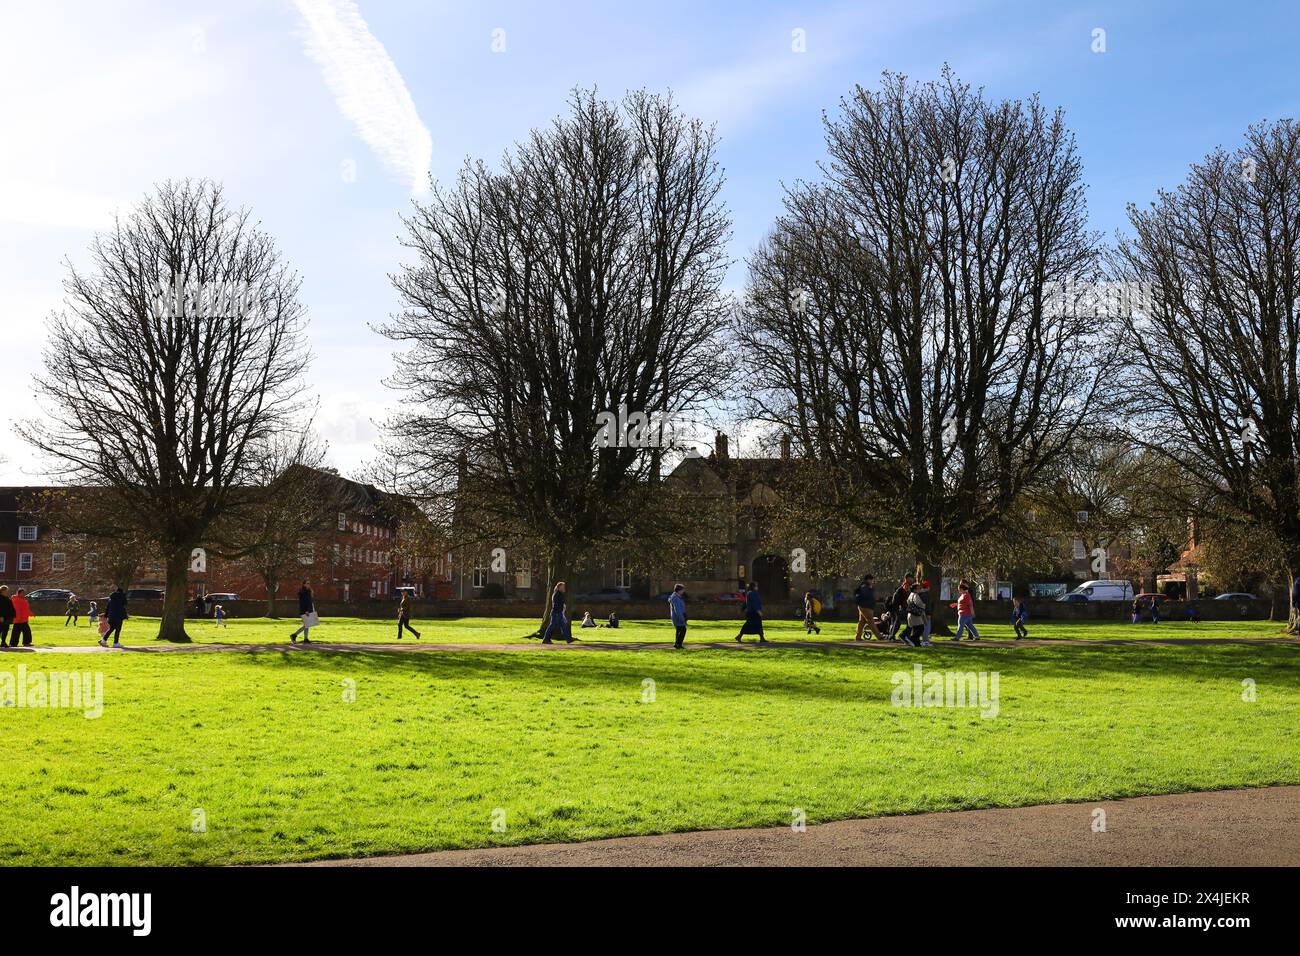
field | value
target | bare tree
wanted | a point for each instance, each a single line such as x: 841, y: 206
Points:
x: 290, y: 501
x: 178, y: 356
x: 579, y: 282
x: 1216, y: 378
x: 902, y: 319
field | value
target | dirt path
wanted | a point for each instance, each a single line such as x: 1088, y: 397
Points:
x: 749, y: 646
x: 1216, y: 828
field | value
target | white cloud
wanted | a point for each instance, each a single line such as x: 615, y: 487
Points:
x: 368, y: 87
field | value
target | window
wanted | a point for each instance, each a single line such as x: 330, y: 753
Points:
x: 306, y: 552
x: 1080, y: 550
x: 58, y: 561
x: 336, y: 552
x: 524, y: 576
x: 4, y: 561
x: 25, y: 561
x: 91, y: 560
x: 343, y: 521
x: 480, y: 574
x: 623, y: 573
x: 27, y: 532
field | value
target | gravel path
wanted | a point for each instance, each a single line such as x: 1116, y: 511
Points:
x: 536, y: 646
x: 1214, y: 828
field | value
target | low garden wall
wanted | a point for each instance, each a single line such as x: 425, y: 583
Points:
x: 996, y: 611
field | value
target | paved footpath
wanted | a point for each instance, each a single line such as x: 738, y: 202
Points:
x: 749, y: 646
x: 1215, y: 828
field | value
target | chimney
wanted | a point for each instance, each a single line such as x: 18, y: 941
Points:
x: 720, y: 446
x: 785, y: 447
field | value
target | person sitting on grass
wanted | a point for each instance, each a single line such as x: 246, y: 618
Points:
x: 753, y: 616
x: 587, y: 620
x: 1019, y: 614
x: 613, y: 619
x: 965, y: 606
x: 810, y: 608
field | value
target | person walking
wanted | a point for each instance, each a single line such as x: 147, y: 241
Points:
x: 74, y: 611
x: 219, y: 614
x: 865, y: 599
x: 404, y: 616
x: 102, y: 628
x: 677, y: 613
x: 559, y: 619
x: 1155, y: 611
x: 92, y: 614
x: 811, y: 605
x: 928, y: 600
x: 1019, y: 614
x: 307, y: 609
x: 898, y: 606
x: 965, y: 606
x: 753, y: 616
x: 914, y: 635
x: 6, y: 614
x: 115, y: 614
x: 200, y: 605
x: 1137, y: 609
x: 22, y: 620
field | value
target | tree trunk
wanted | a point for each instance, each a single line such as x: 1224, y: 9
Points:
x: 272, y: 589
x: 1293, y: 615
x: 175, y: 601
x: 933, y: 570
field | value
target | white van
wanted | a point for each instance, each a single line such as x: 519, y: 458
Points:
x: 1104, y: 591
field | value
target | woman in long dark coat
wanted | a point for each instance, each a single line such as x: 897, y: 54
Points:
x: 753, y: 616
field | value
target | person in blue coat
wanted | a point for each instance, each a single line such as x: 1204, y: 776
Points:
x: 753, y: 616
x: 116, y: 614
x: 559, y: 617
x: 677, y: 611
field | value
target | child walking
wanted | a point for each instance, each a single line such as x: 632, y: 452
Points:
x: 965, y: 606
x: 219, y: 613
x: 1019, y: 614
x: 103, y: 630
x: 810, y: 608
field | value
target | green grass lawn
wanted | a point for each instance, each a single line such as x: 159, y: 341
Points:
x: 283, y: 767
x: 495, y: 630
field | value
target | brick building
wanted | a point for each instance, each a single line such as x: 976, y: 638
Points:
x: 364, y: 555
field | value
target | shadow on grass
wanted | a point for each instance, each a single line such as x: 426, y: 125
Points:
x: 772, y: 670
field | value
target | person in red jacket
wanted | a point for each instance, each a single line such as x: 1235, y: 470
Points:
x: 22, y: 620
x: 965, y: 606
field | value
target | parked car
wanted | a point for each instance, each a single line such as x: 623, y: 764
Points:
x: 404, y: 591
x: 1105, y: 590
x: 1236, y: 596
x: 729, y: 597
x: 49, y: 594
x: 145, y: 594
x: 605, y: 594
x: 220, y: 597
x: 1147, y: 597
x: 1073, y: 598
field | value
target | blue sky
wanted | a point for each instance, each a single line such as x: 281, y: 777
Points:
x: 283, y: 100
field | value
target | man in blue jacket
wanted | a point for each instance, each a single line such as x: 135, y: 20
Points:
x: 677, y: 611
x: 753, y: 616
x: 116, y: 614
